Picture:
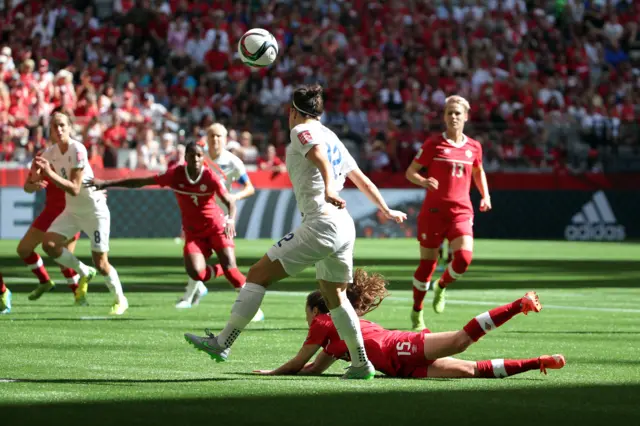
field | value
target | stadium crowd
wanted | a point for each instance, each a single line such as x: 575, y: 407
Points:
x: 553, y: 85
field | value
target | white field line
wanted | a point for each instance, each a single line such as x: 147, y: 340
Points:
x: 487, y: 303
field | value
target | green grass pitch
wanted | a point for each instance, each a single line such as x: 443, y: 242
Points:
x: 66, y: 365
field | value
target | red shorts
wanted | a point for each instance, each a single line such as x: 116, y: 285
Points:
x: 46, y: 218
x: 415, y: 365
x: 433, y: 229
x: 206, y: 245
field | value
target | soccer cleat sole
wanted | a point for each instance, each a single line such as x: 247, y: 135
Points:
x: 215, y: 357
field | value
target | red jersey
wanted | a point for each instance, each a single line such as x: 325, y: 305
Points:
x: 392, y: 352
x: 55, y: 197
x: 451, y: 165
x: 201, y: 216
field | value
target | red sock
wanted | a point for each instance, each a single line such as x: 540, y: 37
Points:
x: 457, y: 267
x: 217, y: 270
x: 235, y: 277
x: 421, y: 277
x: 3, y: 287
x: 499, y: 368
x: 487, y: 321
x: 71, y: 276
x: 35, y: 263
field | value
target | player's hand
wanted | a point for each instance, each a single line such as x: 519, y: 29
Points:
x: 396, y: 215
x: 230, y: 228
x: 485, y: 204
x: 432, y: 184
x: 43, y: 165
x: 264, y: 372
x: 332, y: 197
x: 97, y: 184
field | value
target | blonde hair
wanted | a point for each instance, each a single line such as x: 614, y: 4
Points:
x: 247, y: 135
x: 218, y: 126
x: 455, y: 99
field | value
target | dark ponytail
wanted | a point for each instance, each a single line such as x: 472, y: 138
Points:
x: 308, y: 100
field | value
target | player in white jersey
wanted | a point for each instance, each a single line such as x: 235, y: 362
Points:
x: 66, y: 165
x: 230, y: 169
x: 318, y: 164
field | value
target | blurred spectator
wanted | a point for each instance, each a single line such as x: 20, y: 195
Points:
x: 552, y: 84
x: 271, y: 162
x: 248, y: 150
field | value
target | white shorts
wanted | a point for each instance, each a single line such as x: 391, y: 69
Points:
x: 324, y: 241
x: 96, y: 224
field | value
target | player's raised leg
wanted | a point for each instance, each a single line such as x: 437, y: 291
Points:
x: 26, y: 252
x: 54, y: 244
x: 440, y: 345
x: 5, y: 297
x: 246, y: 306
x: 227, y: 258
x: 462, y: 248
x: 493, y: 369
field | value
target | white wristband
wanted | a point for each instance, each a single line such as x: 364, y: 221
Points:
x: 231, y: 221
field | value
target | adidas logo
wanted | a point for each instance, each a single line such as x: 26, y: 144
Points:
x: 596, y: 222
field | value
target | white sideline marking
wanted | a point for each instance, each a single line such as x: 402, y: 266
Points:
x: 485, y: 303
x: 7, y: 381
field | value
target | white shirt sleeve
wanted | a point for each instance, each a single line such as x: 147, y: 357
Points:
x: 239, y: 168
x: 302, y: 140
x: 79, y: 160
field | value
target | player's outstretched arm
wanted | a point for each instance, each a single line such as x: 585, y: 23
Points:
x: 480, y: 179
x: 295, y: 364
x: 319, y: 159
x: 71, y: 186
x: 369, y: 189
x: 322, y: 362
x: 122, y: 183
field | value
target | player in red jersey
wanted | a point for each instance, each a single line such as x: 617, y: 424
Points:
x: 406, y: 354
x: 452, y: 160
x: 206, y: 228
x: 5, y: 297
x: 54, y: 205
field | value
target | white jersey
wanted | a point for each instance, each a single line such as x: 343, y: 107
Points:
x: 76, y: 158
x: 230, y: 169
x: 306, y: 179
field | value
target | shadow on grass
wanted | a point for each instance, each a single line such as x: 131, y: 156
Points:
x: 560, y: 405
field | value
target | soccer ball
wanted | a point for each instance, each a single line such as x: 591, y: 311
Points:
x: 258, y: 48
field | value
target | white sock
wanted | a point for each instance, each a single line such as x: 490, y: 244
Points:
x: 201, y: 287
x: 243, y: 310
x: 113, y: 283
x: 70, y: 261
x: 190, y: 291
x: 74, y: 279
x: 347, y: 323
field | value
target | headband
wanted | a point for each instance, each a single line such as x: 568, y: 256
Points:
x: 301, y: 110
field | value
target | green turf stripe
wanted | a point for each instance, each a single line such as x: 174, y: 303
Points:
x: 268, y: 215
x: 292, y: 210
x: 245, y: 215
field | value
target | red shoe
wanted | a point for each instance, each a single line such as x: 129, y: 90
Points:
x: 554, y: 362
x: 530, y: 302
